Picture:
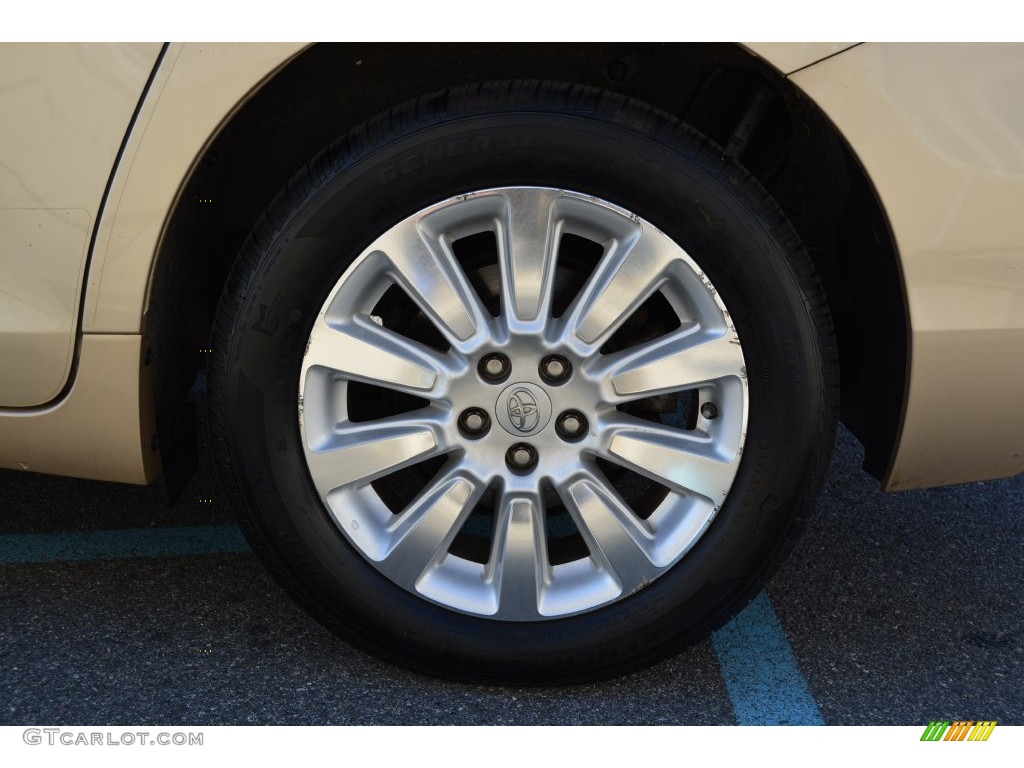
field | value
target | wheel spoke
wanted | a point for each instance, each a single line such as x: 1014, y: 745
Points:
x: 432, y: 547
x: 614, y: 534
x: 527, y: 241
x: 673, y: 457
x: 423, y: 263
x: 519, y: 562
x: 367, y: 451
x: 422, y: 533
x: 631, y: 270
x: 368, y: 352
x: 681, y: 360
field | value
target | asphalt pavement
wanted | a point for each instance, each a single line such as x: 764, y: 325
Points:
x: 117, y: 608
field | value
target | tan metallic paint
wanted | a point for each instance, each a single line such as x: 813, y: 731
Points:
x: 789, y: 57
x: 940, y: 131
x: 42, y: 257
x: 102, y: 429
x: 197, y: 89
x: 64, y: 110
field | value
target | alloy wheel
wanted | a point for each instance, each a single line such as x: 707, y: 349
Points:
x: 523, y: 403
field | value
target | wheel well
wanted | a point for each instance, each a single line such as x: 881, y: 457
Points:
x: 748, y: 108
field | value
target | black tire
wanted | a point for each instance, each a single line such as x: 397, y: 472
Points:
x: 507, y: 134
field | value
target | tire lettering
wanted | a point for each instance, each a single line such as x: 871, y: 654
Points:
x: 433, y: 155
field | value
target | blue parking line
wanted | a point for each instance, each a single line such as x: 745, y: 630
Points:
x: 761, y: 675
x: 131, y: 542
x: 760, y: 672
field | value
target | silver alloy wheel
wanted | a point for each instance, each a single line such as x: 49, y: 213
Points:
x: 693, y: 457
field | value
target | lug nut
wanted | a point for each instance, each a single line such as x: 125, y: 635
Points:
x: 571, y: 425
x: 474, y: 423
x: 521, y: 457
x: 555, y: 369
x: 709, y: 411
x: 494, y: 368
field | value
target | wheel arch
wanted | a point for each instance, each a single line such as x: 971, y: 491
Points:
x: 737, y: 99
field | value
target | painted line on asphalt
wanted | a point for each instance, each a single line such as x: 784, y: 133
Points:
x: 121, y: 543
x: 761, y: 675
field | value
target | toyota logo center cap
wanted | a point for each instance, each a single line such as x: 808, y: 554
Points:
x: 523, y: 409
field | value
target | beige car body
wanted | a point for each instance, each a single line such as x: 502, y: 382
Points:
x: 100, y: 140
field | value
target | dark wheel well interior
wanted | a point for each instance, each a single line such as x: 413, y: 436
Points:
x: 747, y: 107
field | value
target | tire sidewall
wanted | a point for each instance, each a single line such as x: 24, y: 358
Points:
x: 716, y: 213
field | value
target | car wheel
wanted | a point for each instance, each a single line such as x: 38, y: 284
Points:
x: 522, y: 382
